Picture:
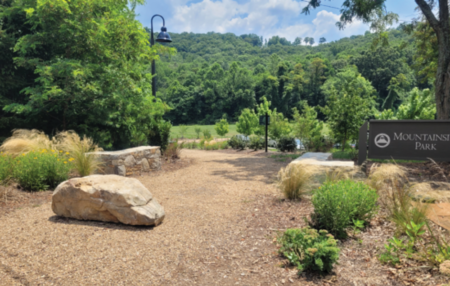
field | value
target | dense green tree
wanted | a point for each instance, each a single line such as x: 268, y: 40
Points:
x: 248, y: 122
x: 371, y: 11
x: 418, y: 105
x: 348, y: 107
x: 221, y: 127
x: 90, y: 63
x: 307, y: 127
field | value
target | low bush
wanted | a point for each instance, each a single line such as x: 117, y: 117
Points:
x: 309, y: 249
x: 294, y: 180
x: 337, y: 205
x: 36, y: 171
x: 236, y: 142
x: 173, y: 150
x: 256, y: 143
x: 348, y: 154
x: 159, y: 134
x: 286, y: 144
x: 207, y: 134
x: 6, y: 167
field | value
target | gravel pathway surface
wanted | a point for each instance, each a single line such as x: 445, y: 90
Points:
x: 204, y: 203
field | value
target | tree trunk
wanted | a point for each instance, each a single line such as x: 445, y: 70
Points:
x: 442, y: 29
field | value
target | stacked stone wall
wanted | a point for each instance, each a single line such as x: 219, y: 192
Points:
x: 129, y: 162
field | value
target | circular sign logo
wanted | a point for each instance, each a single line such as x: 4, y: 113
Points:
x: 382, y: 140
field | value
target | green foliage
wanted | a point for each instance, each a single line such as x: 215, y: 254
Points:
x: 286, y: 144
x: 309, y: 249
x: 418, y: 105
x: 198, y: 130
x: 256, y: 143
x: 236, y: 142
x: 346, y: 110
x: 386, y: 114
x: 207, y: 134
x: 349, y: 153
x: 248, y: 122
x: 159, y: 134
x: 308, y: 128
x: 6, y: 167
x: 336, y: 205
x: 89, y: 61
x: 36, y: 171
x: 279, y: 126
x: 222, y: 127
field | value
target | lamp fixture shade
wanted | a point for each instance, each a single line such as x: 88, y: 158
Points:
x: 164, y: 37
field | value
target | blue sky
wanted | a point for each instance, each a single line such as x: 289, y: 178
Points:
x: 262, y: 17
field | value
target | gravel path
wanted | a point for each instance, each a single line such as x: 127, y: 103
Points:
x: 204, y: 203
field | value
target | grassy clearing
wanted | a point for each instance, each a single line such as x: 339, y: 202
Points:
x: 283, y: 157
x: 190, y: 132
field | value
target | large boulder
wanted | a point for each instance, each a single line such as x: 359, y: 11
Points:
x: 108, y: 198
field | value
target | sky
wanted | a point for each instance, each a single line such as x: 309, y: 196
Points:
x: 265, y: 18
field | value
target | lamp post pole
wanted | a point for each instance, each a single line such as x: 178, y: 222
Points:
x: 162, y: 37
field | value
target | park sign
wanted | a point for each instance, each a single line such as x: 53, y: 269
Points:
x: 406, y: 139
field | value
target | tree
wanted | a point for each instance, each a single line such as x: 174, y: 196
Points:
x: 198, y: 130
x: 279, y: 126
x: 262, y: 109
x: 297, y: 41
x: 89, y: 60
x: 418, y: 105
x: 386, y: 114
x: 311, y: 41
x: 322, y: 40
x: 248, y: 122
x: 306, y: 40
x: 221, y: 127
x: 346, y: 109
x: 306, y: 127
x: 366, y: 9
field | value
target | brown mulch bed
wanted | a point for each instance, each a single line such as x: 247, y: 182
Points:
x: 222, y: 215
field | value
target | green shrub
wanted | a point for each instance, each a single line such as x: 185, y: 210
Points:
x: 237, y: 143
x: 309, y: 249
x: 36, y: 171
x: 207, y: 134
x: 336, y: 205
x: 198, y: 130
x: 256, y: 143
x: 223, y: 145
x: 6, y: 167
x: 201, y: 145
x: 222, y: 127
x: 349, y: 154
x: 286, y: 144
x: 191, y: 145
x: 159, y: 134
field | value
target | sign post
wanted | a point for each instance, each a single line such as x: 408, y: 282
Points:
x: 407, y: 140
x: 265, y: 120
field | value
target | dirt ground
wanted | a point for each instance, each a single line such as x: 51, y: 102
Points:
x: 222, y: 214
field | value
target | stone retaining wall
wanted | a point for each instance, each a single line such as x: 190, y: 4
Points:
x: 131, y: 161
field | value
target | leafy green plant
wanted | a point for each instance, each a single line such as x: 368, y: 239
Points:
x: 256, y: 143
x: 279, y: 126
x: 236, y: 142
x: 286, y: 144
x: 294, y: 180
x: 247, y: 122
x: 6, y: 167
x: 207, y: 134
x: 336, y: 205
x: 392, y: 255
x: 358, y: 225
x: 440, y: 251
x: 221, y: 127
x: 309, y: 249
x: 35, y: 171
x: 414, y: 231
x: 198, y: 130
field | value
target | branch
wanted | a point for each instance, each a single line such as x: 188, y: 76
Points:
x: 426, y: 10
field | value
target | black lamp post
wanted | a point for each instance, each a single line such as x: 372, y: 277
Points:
x: 163, y: 37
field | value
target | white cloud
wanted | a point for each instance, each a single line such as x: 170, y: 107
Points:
x: 262, y: 17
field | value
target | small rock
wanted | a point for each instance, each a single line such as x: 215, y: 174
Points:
x: 121, y: 170
x: 283, y: 281
x: 444, y: 268
x: 130, y: 161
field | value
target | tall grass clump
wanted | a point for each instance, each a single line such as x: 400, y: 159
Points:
x: 173, y: 150
x: 391, y: 183
x: 339, y: 205
x: 24, y: 141
x: 295, y: 180
x: 85, y: 162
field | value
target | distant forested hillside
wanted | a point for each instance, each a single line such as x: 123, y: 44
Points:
x: 218, y: 75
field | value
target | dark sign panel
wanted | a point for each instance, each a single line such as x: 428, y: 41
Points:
x: 409, y: 139
x: 262, y: 120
